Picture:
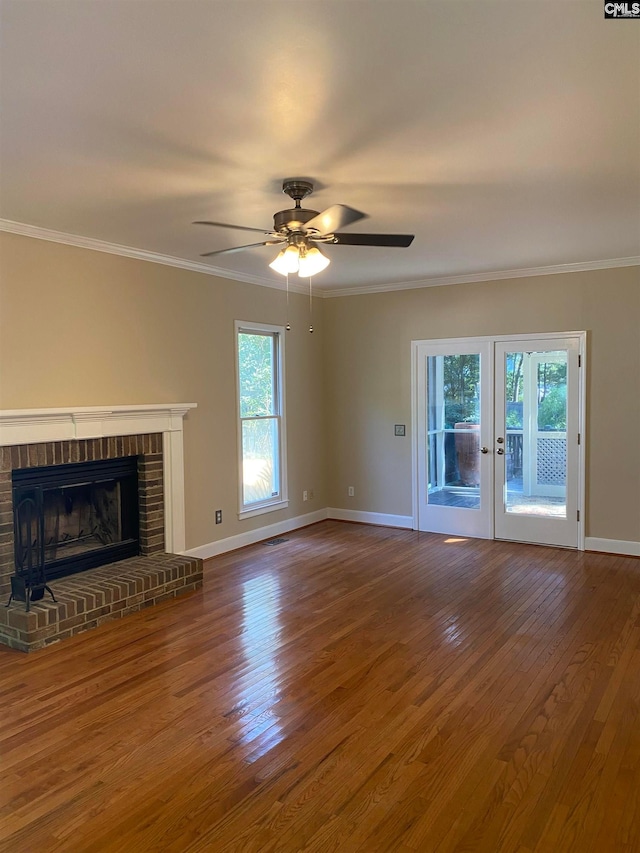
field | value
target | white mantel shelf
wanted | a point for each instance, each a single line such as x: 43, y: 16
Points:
x: 32, y: 426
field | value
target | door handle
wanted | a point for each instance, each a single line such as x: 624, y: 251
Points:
x: 500, y: 451
x: 484, y: 450
x: 500, y: 440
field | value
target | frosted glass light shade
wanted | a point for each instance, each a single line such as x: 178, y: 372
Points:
x: 286, y: 261
x: 312, y: 262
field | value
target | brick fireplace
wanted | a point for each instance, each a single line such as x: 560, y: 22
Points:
x: 31, y: 439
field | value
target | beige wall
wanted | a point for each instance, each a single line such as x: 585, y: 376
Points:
x: 87, y: 328
x: 368, y: 389
x: 79, y: 327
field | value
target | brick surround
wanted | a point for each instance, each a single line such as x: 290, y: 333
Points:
x: 87, y: 599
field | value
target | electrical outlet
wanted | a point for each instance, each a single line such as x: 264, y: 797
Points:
x: 305, y: 495
x: 310, y: 494
x: 218, y: 516
x: 351, y: 492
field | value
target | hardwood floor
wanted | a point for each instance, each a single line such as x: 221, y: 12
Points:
x: 355, y: 689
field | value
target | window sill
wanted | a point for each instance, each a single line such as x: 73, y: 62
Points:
x: 260, y: 510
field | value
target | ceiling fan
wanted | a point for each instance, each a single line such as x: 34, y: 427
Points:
x: 299, y: 230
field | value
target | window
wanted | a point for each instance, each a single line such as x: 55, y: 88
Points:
x: 261, y: 435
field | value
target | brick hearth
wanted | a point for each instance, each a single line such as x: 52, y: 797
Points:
x: 89, y: 598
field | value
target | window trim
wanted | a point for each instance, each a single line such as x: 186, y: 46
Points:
x: 282, y: 500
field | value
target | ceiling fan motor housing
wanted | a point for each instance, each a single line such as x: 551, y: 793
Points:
x: 286, y: 221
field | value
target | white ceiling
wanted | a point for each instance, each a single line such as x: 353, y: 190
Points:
x: 505, y: 135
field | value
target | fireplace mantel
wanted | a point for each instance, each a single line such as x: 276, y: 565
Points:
x: 32, y: 426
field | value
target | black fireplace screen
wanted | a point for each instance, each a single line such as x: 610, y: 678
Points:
x: 69, y: 518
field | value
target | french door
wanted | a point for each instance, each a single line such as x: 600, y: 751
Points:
x: 497, y: 426
x: 454, y: 434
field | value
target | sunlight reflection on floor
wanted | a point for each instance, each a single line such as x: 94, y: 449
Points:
x: 259, y: 683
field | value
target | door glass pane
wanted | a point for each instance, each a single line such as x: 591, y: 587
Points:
x: 536, y: 433
x: 453, y: 430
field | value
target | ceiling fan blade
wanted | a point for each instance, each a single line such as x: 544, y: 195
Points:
x: 334, y: 217
x: 240, y: 248
x: 400, y: 241
x: 226, y: 225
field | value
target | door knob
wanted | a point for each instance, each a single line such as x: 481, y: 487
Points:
x: 500, y: 451
x: 484, y: 450
x: 500, y: 440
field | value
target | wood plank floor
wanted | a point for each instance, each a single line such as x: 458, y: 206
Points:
x: 353, y: 689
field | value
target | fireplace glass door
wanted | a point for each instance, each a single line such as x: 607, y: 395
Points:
x: 69, y: 518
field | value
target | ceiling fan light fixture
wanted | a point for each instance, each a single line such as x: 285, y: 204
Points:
x: 312, y: 261
x: 298, y: 228
x: 286, y: 261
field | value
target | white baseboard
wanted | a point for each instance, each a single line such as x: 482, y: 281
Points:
x: 612, y: 546
x: 231, y: 543
x: 379, y: 518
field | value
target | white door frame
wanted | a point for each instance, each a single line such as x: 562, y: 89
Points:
x: 581, y: 337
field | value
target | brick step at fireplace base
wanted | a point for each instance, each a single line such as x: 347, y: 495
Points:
x: 88, y: 599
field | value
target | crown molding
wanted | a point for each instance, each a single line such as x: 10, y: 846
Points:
x: 94, y: 245
x: 497, y: 275
x: 279, y: 284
